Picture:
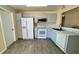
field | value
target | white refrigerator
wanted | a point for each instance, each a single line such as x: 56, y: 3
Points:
x: 27, y: 28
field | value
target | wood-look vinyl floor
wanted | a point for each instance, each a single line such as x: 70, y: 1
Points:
x: 37, y: 46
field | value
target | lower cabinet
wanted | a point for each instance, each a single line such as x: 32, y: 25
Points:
x: 52, y: 34
x: 68, y: 42
x: 61, y: 40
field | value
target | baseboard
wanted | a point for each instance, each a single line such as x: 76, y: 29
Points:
x: 3, y: 51
x: 24, y: 39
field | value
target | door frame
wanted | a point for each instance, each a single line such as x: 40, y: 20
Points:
x: 3, y: 35
x: 14, y: 32
x: 13, y: 26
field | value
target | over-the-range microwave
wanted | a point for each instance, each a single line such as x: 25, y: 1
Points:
x: 42, y: 20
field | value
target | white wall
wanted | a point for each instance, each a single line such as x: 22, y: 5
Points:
x: 18, y: 25
x: 51, y: 18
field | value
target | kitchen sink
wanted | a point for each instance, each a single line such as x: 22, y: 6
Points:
x: 57, y: 29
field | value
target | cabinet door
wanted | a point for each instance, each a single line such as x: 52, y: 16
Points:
x: 52, y: 34
x: 61, y: 39
x: 49, y: 33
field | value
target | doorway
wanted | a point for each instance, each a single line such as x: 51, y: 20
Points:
x: 8, y: 28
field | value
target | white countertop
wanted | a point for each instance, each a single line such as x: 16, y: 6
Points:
x: 68, y: 32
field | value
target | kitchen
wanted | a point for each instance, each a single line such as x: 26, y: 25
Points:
x: 46, y: 24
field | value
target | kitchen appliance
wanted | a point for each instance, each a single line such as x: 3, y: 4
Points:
x: 27, y: 28
x: 42, y: 33
x: 42, y: 20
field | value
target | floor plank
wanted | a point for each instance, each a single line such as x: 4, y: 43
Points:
x: 37, y: 46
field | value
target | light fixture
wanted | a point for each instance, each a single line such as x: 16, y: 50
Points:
x: 36, y: 5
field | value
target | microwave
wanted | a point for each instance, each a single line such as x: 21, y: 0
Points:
x: 42, y: 20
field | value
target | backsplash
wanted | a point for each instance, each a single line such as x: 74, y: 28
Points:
x: 50, y: 17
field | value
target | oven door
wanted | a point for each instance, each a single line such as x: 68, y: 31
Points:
x: 42, y: 33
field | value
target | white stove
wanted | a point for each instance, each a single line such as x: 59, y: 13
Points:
x: 42, y: 32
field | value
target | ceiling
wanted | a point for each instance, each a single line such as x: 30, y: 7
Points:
x: 47, y: 8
